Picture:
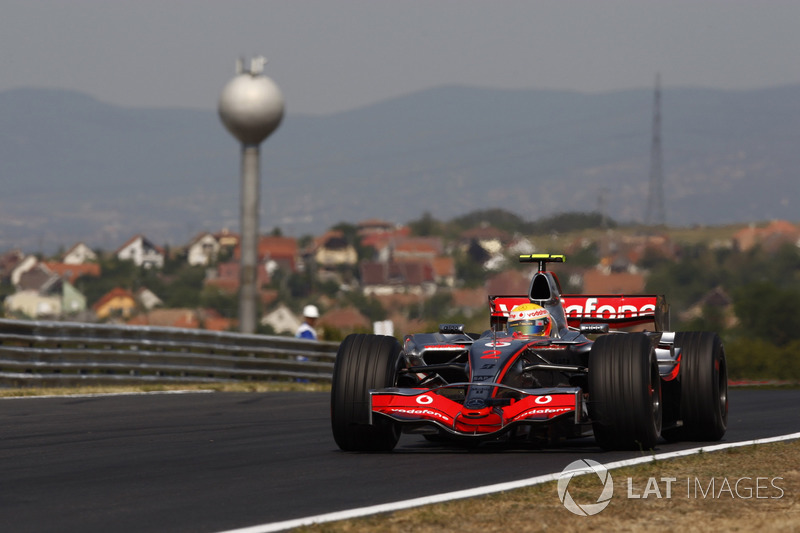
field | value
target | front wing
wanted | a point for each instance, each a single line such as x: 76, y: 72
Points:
x: 429, y: 406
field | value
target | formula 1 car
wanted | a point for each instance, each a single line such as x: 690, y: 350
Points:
x: 587, y: 376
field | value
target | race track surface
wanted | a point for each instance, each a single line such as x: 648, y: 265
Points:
x: 211, y: 462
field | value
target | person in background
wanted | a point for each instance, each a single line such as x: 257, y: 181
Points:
x: 306, y: 329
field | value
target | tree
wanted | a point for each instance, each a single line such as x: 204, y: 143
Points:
x: 766, y: 311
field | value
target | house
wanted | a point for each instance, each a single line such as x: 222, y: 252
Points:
x: 26, y: 264
x: 471, y: 302
x: 346, y: 320
x: 282, y: 320
x: 770, y: 237
x: 147, y: 299
x: 508, y: 282
x: 32, y: 304
x: 381, y: 236
x: 184, y: 318
x: 227, y: 239
x: 374, y: 226
x: 8, y: 262
x: 332, y: 250
x: 73, y: 271
x: 203, y: 249
x: 487, y: 237
x: 716, y: 299
x: 79, y: 254
x: 275, y: 252
x: 412, y: 276
x: 416, y: 248
x: 167, y: 318
x: 41, y: 293
x: 142, y: 252
x: 596, y: 281
x: 444, y: 271
x: 116, y: 303
x: 226, y: 277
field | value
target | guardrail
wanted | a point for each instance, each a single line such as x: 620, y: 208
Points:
x: 37, y: 353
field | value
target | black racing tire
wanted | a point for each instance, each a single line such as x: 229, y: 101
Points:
x: 624, y: 392
x: 703, y: 388
x: 363, y: 362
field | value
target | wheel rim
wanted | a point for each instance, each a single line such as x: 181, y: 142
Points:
x: 722, y: 383
x: 655, y: 396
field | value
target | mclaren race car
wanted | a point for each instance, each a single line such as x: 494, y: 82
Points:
x: 552, y: 366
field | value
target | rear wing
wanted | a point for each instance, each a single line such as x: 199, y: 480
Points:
x: 617, y: 310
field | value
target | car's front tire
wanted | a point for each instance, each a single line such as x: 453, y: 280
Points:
x: 363, y: 362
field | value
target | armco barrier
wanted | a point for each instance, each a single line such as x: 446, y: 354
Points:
x: 72, y: 353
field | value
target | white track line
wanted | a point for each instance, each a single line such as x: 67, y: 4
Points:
x: 489, y: 489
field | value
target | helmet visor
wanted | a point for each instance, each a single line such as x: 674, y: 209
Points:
x: 530, y: 327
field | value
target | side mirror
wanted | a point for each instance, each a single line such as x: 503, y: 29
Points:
x: 593, y: 329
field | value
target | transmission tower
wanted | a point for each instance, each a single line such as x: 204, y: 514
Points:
x: 655, y: 216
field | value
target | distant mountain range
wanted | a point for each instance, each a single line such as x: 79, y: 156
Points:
x: 73, y: 168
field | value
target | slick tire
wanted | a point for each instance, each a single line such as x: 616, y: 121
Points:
x: 624, y: 392
x: 703, y: 388
x: 363, y: 362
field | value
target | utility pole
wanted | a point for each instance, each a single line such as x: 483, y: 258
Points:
x: 655, y: 215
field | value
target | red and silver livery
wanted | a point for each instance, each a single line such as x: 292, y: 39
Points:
x: 610, y: 367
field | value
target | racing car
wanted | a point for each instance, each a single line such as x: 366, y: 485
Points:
x: 551, y: 367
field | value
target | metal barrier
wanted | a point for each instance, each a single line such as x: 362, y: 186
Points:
x: 72, y: 353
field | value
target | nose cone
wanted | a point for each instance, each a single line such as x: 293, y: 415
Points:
x: 251, y: 107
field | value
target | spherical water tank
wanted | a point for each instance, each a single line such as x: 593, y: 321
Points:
x: 251, y: 107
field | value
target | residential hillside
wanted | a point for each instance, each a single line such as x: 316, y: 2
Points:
x: 77, y: 169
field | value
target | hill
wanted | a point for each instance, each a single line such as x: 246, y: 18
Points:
x: 74, y: 168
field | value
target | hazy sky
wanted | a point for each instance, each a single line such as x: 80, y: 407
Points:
x: 332, y: 55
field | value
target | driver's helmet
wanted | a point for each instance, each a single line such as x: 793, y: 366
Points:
x: 529, y: 320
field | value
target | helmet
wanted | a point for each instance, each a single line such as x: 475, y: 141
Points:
x: 529, y: 320
x: 311, y: 311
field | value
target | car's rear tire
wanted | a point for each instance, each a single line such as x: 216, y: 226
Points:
x: 703, y: 388
x: 624, y: 392
x: 363, y: 362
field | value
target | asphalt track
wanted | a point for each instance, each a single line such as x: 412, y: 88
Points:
x: 212, y: 462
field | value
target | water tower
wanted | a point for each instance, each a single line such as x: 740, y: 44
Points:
x: 251, y: 108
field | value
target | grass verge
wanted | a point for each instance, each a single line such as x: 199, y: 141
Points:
x: 252, y: 386
x: 704, y: 496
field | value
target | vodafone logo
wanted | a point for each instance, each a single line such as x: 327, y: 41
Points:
x: 424, y: 400
x: 593, y: 308
x: 528, y: 314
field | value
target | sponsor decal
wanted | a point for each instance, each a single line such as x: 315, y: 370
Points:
x: 594, y: 308
x: 424, y: 400
x: 543, y: 399
x: 499, y: 344
x: 528, y: 314
x: 419, y: 412
x: 443, y: 347
x: 491, y: 354
x: 544, y: 411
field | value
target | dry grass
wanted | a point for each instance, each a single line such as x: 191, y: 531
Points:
x: 538, y: 508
